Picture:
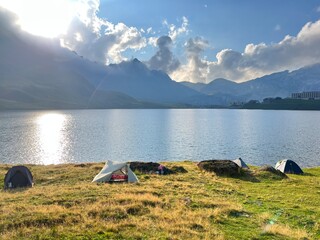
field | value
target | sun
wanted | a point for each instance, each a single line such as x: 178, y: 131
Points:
x: 47, y: 18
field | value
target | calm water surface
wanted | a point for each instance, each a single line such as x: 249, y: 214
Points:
x: 259, y: 137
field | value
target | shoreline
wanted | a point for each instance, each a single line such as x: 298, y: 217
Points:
x: 162, y: 162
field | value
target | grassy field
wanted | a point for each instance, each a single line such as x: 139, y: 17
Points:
x: 64, y: 204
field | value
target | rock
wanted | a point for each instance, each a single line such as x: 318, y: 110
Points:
x: 221, y: 167
x: 274, y: 172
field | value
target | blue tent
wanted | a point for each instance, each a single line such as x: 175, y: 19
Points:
x: 18, y: 176
x: 288, y: 166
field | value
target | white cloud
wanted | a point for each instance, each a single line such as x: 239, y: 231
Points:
x: 153, y: 41
x: 175, y: 31
x: 76, y: 24
x: 101, y: 41
x: 196, y: 68
x: 257, y: 60
x: 149, y: 30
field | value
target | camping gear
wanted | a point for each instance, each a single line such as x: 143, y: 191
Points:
x: 150, y: 168
x: 116, y: 172
x: 18, y: 177
x: 240, y: 163
x: 288, y: 166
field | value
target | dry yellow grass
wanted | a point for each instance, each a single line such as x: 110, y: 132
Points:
x: 64, y: 204
x: 284, y: 230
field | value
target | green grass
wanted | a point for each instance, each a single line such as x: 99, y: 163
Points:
x: 64, y: 204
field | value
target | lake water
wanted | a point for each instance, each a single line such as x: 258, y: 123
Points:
x: 258, y: 137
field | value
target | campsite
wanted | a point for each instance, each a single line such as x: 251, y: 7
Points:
x: 64, y: 203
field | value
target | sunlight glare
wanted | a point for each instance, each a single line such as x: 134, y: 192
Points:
x: 51, y: 137
x: 47, y: 18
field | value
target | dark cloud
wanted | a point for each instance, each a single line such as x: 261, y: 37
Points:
x: 8, y: 21
x: 164, y: 59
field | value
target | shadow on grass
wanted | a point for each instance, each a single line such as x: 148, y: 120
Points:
x: 307, y: 174
x: 16, y: 190
x: 246, y: 175
x: 256, y: 175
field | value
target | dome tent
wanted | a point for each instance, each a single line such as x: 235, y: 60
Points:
x: 18, y: 176
x: 288, y: 166
x: 116, y: 172
x: 240, y: 163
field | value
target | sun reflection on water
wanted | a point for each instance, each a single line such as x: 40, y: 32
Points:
x: 52, y: 139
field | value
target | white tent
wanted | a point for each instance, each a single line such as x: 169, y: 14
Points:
x: 111, y: 170
x: 240, y: 163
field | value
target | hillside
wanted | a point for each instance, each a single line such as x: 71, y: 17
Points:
x: 38, y: 73
x: 281, y: 84
x: 64, y: 204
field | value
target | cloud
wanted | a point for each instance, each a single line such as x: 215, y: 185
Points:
x: 256, y: 60
x: 80, y: 28
x: 175, y: 31
x: 277, y: 27
x: 196, y: 68
x: 318, y: 9
x: 164, y: 59
x: 98, y: 39
x: 8, y: 21
x: 149, y: 30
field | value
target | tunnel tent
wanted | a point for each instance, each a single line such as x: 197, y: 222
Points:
x: 18, y: 177
x: 240, y: 163
x: 116, y: 172
x: 288, y: 166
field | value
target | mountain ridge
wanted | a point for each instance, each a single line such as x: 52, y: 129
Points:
x: 38, y: 73
x: 279, y: 84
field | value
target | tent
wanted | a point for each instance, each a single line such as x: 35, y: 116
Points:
x: 288, y: 166
x: 18, y: 176
x: 240, y: 163
x: 116, y: 172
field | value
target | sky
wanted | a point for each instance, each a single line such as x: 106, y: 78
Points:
x: 191, y: 40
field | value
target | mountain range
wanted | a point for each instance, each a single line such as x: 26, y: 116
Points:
x: 280, y: 84
x: 37, y: 73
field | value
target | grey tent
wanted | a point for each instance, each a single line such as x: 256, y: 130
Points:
x: 288, y: 166
x: 18, y: 176
x: 116, y: 172
x: 240, y: 163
